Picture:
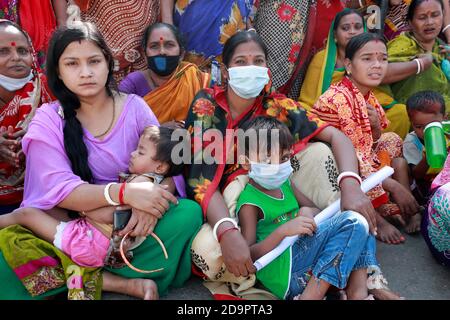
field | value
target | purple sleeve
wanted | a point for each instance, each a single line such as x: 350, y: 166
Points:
x: 180, y: 185
x: 127, y: 85
x: 144, y: 114
x: 49, y: 178
x: 135, y: 83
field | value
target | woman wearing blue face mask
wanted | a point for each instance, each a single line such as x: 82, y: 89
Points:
x: 168, y: 85
x: 249, y: 94
x: 23, y: 88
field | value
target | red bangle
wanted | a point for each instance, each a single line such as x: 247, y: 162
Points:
x: 225, y: 231
x: 121, y: 191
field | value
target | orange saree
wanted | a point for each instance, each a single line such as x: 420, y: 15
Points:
x: 171, y: 101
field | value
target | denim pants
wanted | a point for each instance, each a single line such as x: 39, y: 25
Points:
x: 340, y: 245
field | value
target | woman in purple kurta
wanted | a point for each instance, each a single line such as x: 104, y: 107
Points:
x: 61, y: 139
x: 107, y: 157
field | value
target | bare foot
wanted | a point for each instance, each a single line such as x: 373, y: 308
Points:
x: 145, y: 289
x: 385, y: 294
x: 397, y: 220
x: 413, y: 225
x: 387, y: 233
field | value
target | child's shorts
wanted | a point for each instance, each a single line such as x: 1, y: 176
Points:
x: 85, y: 244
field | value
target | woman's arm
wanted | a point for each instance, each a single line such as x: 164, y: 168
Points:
x: 447, y: 19
x: 302, y: 199
x: 167, y: 7
x: 235, y: 250
x: 398, y: 71
x: 60, y: 9
x: 144, y: 196
x: 352, y: 197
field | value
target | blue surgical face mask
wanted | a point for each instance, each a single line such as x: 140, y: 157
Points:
x: 248, y: 81
x: 13, y: 84
x: 270, y: 176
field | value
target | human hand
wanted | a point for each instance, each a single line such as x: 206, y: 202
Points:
x: 236, y: 254
x: 301, y: 225
x: 404, y: 199
x: 308, y: 212
x: 10, y: 146
x: 174, y: 124
x: 374, y: 119
x: 426, y: 60
x: 149, y: 197
x: 354, y: 199
x: 445, y: 49
x: 141, y: 224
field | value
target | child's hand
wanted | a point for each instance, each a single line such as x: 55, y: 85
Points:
x: 299, y: 226
x: 308, y: 212
x: 405, y: 200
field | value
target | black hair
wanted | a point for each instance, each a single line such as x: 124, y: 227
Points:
x: 263, y: 126
x: 423, y: 101
x: 162, y: 138
x: 359, y: 41
x: 413, y: 6
x: 73, y: 132
x: 5, y: 23
x: 175, y: 31
x: 239, y: 38
x: 342, y: 14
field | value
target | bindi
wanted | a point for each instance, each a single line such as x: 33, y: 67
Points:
x: 13, y: 44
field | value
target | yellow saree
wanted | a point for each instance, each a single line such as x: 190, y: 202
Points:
x: 405, y: 48
x: 171, y: 101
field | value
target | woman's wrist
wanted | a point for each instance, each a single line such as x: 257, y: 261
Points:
x: 349, y: 185
x: 223, y: 226
x: 419, y: 65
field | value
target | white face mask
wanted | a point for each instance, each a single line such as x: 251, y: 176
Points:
x: 13, y: 84
x: 270, y: 176
x: 248, y: 81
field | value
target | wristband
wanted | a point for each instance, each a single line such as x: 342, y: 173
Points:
x: 225, y: 231
x: 348, y: 174
x: 121, y: 191
x: 419, y: 67
x: 220, y: 222
x: 106, y: 194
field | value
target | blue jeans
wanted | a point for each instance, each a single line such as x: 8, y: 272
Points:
x: 339, y: 246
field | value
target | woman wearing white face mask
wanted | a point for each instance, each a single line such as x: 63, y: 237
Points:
x: 22, y: 89
x: 249, y: 94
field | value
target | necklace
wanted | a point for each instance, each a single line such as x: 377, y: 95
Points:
x: 112, y: 121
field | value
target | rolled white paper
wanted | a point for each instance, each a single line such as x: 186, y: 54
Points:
x: 371, y: 182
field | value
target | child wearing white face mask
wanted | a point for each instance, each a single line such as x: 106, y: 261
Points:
x: 335, y: 253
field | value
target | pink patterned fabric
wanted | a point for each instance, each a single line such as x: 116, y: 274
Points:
x: 443, y: 177
x: 85, y: 245
x: 31, y: 267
